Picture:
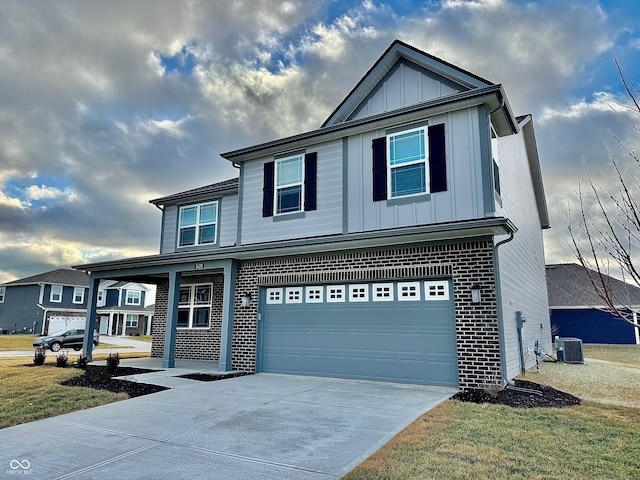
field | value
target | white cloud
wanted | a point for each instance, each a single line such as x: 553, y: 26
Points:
x: 42, y: 192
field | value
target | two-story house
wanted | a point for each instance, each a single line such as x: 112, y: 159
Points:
x: 400, y: 241
x: 44, y: 303
x: 122, y: 309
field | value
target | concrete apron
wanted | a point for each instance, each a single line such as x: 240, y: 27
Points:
x: 261, y: 426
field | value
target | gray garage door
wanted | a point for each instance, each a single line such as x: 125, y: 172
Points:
x: 392, y: 331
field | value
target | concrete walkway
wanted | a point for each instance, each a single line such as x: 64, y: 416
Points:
x: 253, y: 427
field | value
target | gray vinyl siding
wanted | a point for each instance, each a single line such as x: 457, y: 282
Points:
x: 325, y: 220
x: 462, y: 200
x: 227, y: 223
x: 522, y: 263
x: 20, y: 308
x: 405, y: 85
x: 169, y: 229
x: 67, y: 298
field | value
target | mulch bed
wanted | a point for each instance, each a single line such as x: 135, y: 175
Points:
x: 206, y: 377
x: 99, y: 377
x: 551, y: 398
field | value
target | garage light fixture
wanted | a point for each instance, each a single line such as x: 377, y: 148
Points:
x: 246, y: 300
x: 476, y: 297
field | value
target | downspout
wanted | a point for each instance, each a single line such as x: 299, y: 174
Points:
x: 503, y: 353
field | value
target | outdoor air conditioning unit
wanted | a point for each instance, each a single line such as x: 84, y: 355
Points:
x: 569, y: 350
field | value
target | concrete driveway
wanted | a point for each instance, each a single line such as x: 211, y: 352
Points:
x: 260, y: 426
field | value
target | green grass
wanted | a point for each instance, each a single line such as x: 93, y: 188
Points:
x: 30, y: 393
x: 596, y: 440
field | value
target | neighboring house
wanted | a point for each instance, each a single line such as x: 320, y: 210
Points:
x: 57, y: 300
x: 44, y: 303
x: 577, y: 310
x: 121, y: 308
x: 400, y: 241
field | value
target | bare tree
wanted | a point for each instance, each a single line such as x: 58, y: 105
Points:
x: 606, y: 235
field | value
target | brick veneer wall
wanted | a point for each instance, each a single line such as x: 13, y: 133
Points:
x: 466, y: 263
x: 196, y: 344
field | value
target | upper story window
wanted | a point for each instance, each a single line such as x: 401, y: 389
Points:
x: 100, y: 295
x: 78, y: 295
x: 3, y: 291
x: 56, y: 294
x: 407, y: 154
x: 289, y: 185
x: 198, y: 224
x: 409, y: 162
x: 133, y: 297
x: 494, y: 154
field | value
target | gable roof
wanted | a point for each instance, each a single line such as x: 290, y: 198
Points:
x: 568, y: 285
x: 61, y: 276
x: 394, y: 53
x: 229, y: 186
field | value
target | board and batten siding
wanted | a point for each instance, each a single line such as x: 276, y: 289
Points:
x: 522, y: 263
x: 404, y: 85
x: 462, y: 200
x: 227, y: 223
x: 325, y: 220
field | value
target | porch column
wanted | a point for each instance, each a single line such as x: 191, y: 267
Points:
x: 109, y: 330
x: 230, y: 270
x: 168, y: 360
x: 90, y: 323
x: 149, y: 325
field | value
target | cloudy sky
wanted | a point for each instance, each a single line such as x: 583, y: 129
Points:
x: 105, y: 105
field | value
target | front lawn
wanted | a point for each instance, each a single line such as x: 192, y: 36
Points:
x: 467, y: 441
x: 31, y: 392
x: 17, y: 342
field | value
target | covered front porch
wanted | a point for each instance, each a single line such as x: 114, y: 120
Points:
x: 171, y: 277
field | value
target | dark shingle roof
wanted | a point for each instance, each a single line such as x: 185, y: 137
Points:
x: 60, y: 276
x: 226, y: 186
x: 568, y: 285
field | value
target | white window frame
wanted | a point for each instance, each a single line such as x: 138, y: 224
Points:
x: 440, y: 286
x: 198, y: 224
x: 274, y: 296
x: 336, y: 294
x: 75, y: 295
x: 293, y: 295
x: 382, y: 292
x: 415, y: 286
x: 138, y: 297
x: 424, y: 160
x: 277, y: 188
x: 131, y: 320
x: 3, y: 293
x: 58, y: 291
x: 194, y: 305
x: 314, y: 294
x: 358, y: 286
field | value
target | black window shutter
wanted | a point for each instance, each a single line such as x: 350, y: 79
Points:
x: 437, y: 159
x: 310, y: 176
x: 379, y: 146
x: 267, y: 190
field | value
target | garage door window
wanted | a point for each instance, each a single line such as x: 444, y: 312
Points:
x: 436, y: 290
x: 313, y: 295
x: 383, y: 292
x: 335, y: 293
x: 409, y: 291
x: 294, y: 295
x: 274, y: 295
x: 359, y: 293
x: 194, y: 306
